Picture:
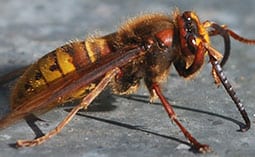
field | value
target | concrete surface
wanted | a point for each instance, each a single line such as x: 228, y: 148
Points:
x: 129, y: 126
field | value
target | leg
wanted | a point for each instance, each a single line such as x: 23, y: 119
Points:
x: 84, y: 104
x: 200, y: 147
x: 31, y: 119
x: 223, y: 79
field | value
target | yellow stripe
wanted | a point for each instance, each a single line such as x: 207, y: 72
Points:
x: 83, y: 92
x: 103, y: 46
x: 90, y: 51
x: 44, y: 64
x: 65, y: 61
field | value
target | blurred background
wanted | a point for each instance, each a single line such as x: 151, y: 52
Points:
x: 130, y: 126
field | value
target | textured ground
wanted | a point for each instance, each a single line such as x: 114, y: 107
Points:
x: 129, y: 126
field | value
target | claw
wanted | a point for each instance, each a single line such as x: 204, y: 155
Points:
x: 203, y: 148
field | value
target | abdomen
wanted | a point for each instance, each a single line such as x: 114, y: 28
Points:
x: 55, y: 65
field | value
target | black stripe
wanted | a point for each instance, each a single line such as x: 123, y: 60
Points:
x: 56, y: 66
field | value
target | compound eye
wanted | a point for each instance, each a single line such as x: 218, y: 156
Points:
x: 192, y: 45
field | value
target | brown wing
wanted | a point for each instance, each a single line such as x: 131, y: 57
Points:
x: 59, y: 90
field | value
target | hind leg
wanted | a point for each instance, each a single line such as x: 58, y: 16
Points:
x: 83, y: 105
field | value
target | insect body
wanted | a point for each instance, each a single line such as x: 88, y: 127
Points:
x: 142, y: 49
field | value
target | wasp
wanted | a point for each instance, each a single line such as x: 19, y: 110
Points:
x: 141, y: 50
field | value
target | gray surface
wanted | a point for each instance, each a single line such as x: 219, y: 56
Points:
x: 121, y: 126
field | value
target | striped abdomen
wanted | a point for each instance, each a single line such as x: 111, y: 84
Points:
x: 54, y: 66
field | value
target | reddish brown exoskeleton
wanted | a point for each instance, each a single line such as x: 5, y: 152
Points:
x: 142, y: 49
